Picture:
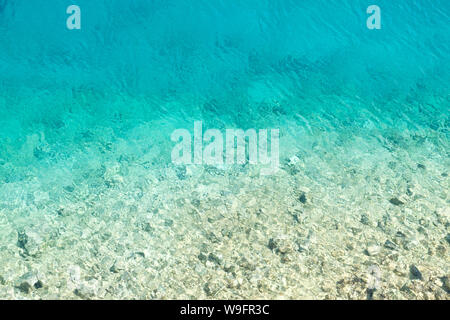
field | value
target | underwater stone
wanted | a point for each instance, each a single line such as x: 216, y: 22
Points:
x: 302, y: 198
x: 117, y: 267
x: 24, y: 287
x: 168, y: 222
x: 396, y: 202
x: 62, y: 212
x: 228, y: 267
x: 415, y: 273
x: 272, y: 245
x: 148, y: 228
x: 38, y: 284
x: 440, y: 250
x: 201, y: 257
x: 390, y: 245
x: 217, y: 259
x: 365, y: 219
x: 400, y: 234
x: 87, y: 290
x: 447, y: 238
x: 74, y: 274
x: 370, y: 292
x: 446, y: 284
x: 409, y: 192
x: 195, y: 203
x: 406, y: 289
x: 22, y: 239
x: 27, y: 281
x: 69, y: 188
x: 212, y: 237
x: 207, y: 289
x: 245, y: 264
x: 29, y: 241
x: 181, y: 172
x: 373, y: 250
x: 39, y: 153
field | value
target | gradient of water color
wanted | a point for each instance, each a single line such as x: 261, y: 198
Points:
x: 363, y: 114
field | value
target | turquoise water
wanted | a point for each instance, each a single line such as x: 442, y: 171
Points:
x: 86, y: 118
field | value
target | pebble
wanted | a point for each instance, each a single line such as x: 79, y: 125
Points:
x: 396, y: 202
x: 446, y: 284
x: 365, y: 219
x: 415, y: 273
x: 390, y: 245
x: 272, y: 245
x: 168, y: 222
x: 217, y: 259
x: 29, y: 241
x: 27, y: 281
x: 87, y: 290
x: 201, y: 257
x: 228, y: 267
x: 74, y: 273
x: 117, y: 266
x: 69, y: 188
x: 302, y: 198
x: 373, y: 250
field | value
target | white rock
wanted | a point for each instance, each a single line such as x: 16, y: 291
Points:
x: 373, y: 249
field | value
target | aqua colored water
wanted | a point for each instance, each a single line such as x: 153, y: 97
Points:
x: 87, y: 178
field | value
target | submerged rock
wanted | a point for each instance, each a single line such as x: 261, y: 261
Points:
x: 302, y: 198
x: 370, y: 292
x: 38, y: 284
x: 373, y: 250
x: 29, y: 241
x: 390, y: 245
x: 168, y: 222
x: 69, y: 188
x: 446, y: 284
x: 415, y: 273
x: 202, y: 257
x: 215, y: 258
x: 27, y: 281
x: 181, y: 172
x: 272, y: 245
x: 24, y: 287
x: 365, y: 219
x: 117, y: 267
x: 396, y: 202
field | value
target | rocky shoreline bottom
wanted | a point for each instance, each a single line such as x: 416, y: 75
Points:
x: 312, y: 231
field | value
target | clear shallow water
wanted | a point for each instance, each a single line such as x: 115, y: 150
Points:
x: 86, y: 117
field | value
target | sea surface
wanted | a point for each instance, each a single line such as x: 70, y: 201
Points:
x: 93, y: 207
